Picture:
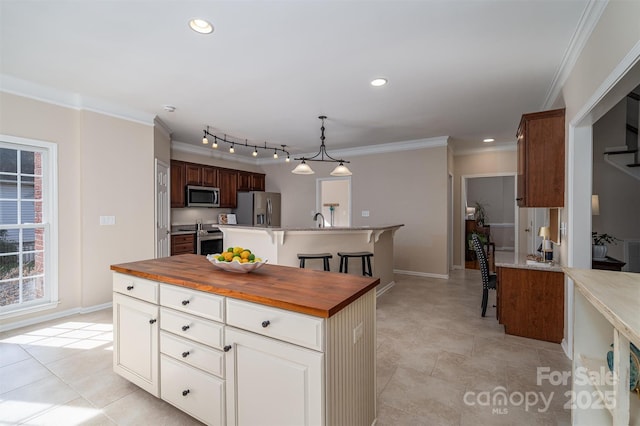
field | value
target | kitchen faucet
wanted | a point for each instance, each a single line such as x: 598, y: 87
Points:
x: 315, y: 217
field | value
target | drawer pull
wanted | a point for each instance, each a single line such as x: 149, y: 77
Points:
x: 185, y: 354
x: 185, y: 302
x: 185, y: 392
x: 227, y: 348
x: 129, y: 287
x: 152, y: 321
x: 266, y: 323
x: 185, y: 327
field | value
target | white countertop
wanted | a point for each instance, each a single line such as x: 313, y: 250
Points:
x: 306, y: 229
x: 616, y: 295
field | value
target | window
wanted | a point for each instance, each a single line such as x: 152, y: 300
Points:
x: 28, y: 234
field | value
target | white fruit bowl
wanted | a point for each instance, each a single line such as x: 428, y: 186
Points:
x: 241, y: 268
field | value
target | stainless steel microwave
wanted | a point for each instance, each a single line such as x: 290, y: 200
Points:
x: 203, y: 196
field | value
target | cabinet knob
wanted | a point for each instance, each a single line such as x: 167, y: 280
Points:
x: 227, y: 348
x: 185, y: 327
x: 152, y: 321
x: 185, y: 392
x: 185, y: 354
x: 266, y: 323
x: 129, y: 287
x: 185, y: 302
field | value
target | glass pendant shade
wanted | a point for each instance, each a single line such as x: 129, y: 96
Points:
x: 303, y: 169
x: 341, y: 170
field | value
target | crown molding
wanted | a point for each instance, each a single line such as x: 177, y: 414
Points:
x: 159, y: 124
x: 27, y: 89
x: 483, y: 150
x: 588, y: 20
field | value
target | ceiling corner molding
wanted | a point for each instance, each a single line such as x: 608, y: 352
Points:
x: 483, y: 150
x: 587, y: 23
x: 210, y: 152
x: 27, y: 89
x: 162, y: 126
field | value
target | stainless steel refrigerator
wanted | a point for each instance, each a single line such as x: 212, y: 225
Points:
x: 257, y: 208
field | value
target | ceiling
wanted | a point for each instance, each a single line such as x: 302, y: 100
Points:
x: 463, y: 69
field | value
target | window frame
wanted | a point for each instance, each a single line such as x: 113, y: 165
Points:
x: 49, y: 152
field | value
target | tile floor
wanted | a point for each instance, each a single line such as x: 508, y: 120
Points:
x: 439, y: 363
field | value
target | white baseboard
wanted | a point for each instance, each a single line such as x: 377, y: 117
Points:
x: 457, y: 268
x: 565, y: 348
x: 57, y: 315
x: 421, y: 274
x: 383, y: 290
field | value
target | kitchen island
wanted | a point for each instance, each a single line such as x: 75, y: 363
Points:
x: 282, y: 245
x: 279, y: 345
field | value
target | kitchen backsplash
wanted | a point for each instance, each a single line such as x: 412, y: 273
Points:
x: 191, y: 215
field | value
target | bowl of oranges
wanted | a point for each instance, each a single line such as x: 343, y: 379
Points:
x: 236, y: 259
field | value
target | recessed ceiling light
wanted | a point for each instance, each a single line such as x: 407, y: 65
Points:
x: 200, y: 26
x: 378, y: 82
x: 488, y: 140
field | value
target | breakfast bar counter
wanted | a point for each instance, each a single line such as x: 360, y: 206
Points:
x: 282, y: 245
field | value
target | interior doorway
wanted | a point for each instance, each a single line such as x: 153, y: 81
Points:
x: 494, y: 195
x: 333, y: 200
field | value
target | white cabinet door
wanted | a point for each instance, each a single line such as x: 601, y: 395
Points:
x: 135, y: 342
x: 274, y: 383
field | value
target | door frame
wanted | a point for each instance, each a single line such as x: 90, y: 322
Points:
x: 463, y: 213
x: 319, y: 194
x: 156, y: 165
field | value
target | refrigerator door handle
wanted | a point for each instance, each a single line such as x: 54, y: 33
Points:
x: 269, y: 211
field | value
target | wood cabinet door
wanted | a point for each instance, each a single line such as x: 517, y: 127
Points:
x: 274, y: 383
x: 258, y: 182
x: 521, y: 179
x: 135, y: 342
x: 228, y: 184
x: 244, y: 181
x: 194, y: 174
x: 182, y: 244
x: 178, y: 184
x: 209, y: 176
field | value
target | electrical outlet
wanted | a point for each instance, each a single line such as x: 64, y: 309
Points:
x: 357, y: 333
x: 365, y: 213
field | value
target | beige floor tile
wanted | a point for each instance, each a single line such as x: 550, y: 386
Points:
x: 82, y: 364
x: 476, y: 374
x: 76, y: 412
x: 33, y: 399
x: 10, y: 354
x: 141, y: 408
x: 506, y: 353
x: 390, y: 416
x: 421, y: 394
x: 21, y: 373
x: 103, y: 387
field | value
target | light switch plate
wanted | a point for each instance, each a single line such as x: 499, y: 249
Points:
x: 107, y: 220
x: 365, y: 213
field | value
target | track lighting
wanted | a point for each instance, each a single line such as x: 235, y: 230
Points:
x: 215, y: 142
x: 231, y: 150
x: 246, y: 144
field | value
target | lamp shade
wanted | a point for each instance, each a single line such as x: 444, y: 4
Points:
x: 595, y: 205
x: 341, y: 170
x: 303, y: 169
x: 544, y: 232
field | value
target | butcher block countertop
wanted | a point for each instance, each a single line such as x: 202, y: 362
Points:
x: 317, y: 293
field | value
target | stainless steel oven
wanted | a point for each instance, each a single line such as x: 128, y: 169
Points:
x: 209, y: 241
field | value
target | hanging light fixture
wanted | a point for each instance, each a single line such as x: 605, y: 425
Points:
x: 304, y: 169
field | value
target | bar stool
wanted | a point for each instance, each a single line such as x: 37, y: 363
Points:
x: 344, y: 261
x: 324, y: 256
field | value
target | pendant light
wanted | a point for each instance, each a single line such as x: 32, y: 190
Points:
x: 304, y: 169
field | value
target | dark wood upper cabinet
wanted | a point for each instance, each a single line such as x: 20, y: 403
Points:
x: 194, y: 174
x: 178, y: 183
x: 228, y: 184
x: 249, y: 181
x: 209, y: 176
x: 540, y: 180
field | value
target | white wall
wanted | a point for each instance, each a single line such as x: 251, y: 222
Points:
x: 105, y: 167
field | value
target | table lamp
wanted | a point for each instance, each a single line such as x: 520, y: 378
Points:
x: 547, y: 249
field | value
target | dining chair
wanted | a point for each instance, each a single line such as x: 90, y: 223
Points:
x: 489, y: 281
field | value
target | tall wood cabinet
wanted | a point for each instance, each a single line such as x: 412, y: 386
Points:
x: 541, y: 154
x: 178, y: 183
x: 228, y: 183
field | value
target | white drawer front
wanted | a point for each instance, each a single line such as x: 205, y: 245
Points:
x: 191, y: 327
x: 194, y: 302
x: 195, y: 354
x: 135, y: 287
x: 292, y: 327
x: 195, y: 392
